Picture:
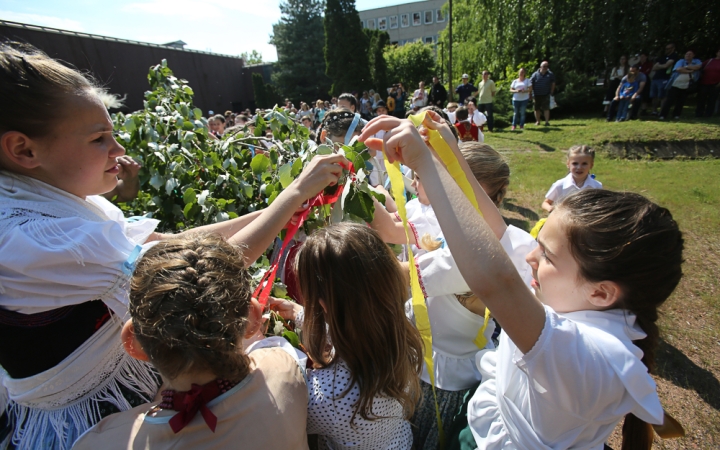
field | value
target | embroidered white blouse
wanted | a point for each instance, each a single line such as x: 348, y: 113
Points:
x: 569, y: 391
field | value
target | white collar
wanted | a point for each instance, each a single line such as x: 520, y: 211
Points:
x: 569, y: 181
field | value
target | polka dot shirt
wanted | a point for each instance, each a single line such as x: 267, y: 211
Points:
x: 329, y: 414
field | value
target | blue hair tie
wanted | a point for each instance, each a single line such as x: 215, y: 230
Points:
x: 351, y: 130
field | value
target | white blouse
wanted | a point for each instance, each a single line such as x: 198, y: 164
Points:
x: 580, y: 379
x: 330, y: 409
x: 453, y: 326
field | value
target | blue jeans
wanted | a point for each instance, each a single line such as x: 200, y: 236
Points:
x: 657, y: 89
x: 623, y: 108
x: 519, y: 106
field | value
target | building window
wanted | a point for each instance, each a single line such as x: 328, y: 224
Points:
x: 428, y: 17
x: 439, y: 16
x: 393, y: 22
x: 382, y: 23
x: 404, y: 20
x: 428, y: 39
x: 417, y: 20
x: 371, y: 24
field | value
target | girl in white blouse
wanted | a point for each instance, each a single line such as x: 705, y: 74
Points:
x: 574, y: 357
x: 455, y: 317
x: 366, y: 354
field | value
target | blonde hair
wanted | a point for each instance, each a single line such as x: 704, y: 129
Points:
x: 584, y: 150
x: 363, y: 291
x: 489, y: 167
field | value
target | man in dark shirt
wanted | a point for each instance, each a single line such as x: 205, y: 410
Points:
x: 662, y: 70
x: 438, y: 93
x: 465, y: 90
x: 398, y: 93
x: 543, y: 87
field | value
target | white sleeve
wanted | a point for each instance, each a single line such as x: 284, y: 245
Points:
x: 554, y: 192
x: 67, y: 261
x: 440, y: 275
x: 571, y: 381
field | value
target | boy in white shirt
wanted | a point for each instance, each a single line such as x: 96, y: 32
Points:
x: 580, y: 161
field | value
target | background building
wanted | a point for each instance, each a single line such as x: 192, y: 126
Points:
x: 220, y: 82
x: 411, y: 22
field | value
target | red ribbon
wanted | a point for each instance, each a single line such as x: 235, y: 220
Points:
x: 262, y: 292
x: 190, y: 402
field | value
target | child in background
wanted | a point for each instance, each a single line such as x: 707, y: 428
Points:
x: 629, y: 85
x: 580, y: 161
x: 467, y: 130
x: 574, y: 358
x: 367, y: 355
x: 190, y: 307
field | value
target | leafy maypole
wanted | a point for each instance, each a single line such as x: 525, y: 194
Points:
x: 188, y: 178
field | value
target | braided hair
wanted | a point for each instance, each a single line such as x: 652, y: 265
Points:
x: 189, y: 302
x: 337, y: 122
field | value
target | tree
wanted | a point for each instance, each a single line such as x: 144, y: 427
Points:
x: 346, y: 48
x: 254, y: 57
x: 266, y: 96
x: 410, y: 64
x: 300, y: 70
x: 378, y: 40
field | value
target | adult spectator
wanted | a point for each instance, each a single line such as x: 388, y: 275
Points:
x: 486, y: 95
x: 465, y: 89
x: 543, y: 86
x: 419, y: 98
x: 333, y: 103
x: 347, y: 101
x: 616, y: 74
x: 520, y: 88
x: 380, y: 109
x: 438, y: 93
x: 639, y: 81
x: 685, y: 72
x: 305, y: 111
x: 398, y: 94
x: 662, y: 69
x: 319, y: 111
x: 365, y: 106
x: 645, y: 69
x: 375, y: 99
x: 709, y: 87
x: 241, y: 120
x: 476, y: 116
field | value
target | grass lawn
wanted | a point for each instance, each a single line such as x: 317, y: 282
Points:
x: 689, y: 355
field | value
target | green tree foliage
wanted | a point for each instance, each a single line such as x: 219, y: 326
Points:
x: 410, y: 64
x: 189, y: 179
x: 254, y: 57
x: 378, y: 40
x: 300, y: 70
x: 582, y: 39
x: 346, y: 48
x: 266, y: 96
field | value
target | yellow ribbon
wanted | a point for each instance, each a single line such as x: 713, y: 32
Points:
x: 447, y: 156
x: 422, y: 319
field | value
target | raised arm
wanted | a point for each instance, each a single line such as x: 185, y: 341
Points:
x: 481, y: 260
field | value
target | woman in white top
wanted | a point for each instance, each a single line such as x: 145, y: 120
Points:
x: 574, y: 356
x: 366, y: 354
x: 520, y: 89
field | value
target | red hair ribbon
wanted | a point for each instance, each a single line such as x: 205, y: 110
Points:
x: 262, y: 292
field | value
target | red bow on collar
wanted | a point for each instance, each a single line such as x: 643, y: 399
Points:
x: 190, y: 402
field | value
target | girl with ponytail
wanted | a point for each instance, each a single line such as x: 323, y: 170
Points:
x: 575, y: 355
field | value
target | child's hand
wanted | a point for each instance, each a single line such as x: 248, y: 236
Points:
x: 288, y: 310
x: 129, y: 168
x: 323, y: 170
x: 401, y: 142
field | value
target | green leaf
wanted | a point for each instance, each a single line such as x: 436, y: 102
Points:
x: 286, y: 176
x: 157, y: 181
x: 292, y: 338
x: 197, y: 113
x: 189, y: 196
x: 324, y: 150
x: 259, y: 164
x: 297, y: 166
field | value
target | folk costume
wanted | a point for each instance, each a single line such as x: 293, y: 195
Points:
x: 65, y: 266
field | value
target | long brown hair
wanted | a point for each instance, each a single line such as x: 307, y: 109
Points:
x: 361, y: 284
x: 625, y: 238
x: 189, y: 301
x: 489, y: 167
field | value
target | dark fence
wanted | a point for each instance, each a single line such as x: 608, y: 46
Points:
x: 220, y: 82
